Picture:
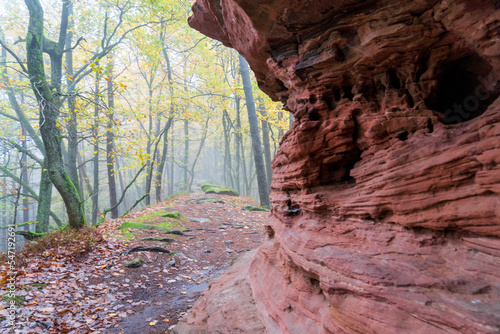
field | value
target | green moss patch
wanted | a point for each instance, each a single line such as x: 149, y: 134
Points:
x: 127, y: 235
x: 18, y: 300
x: 39, y: 286
x: 163, y: 227
x: 213, y: 189
x: 253, y: 208
x: 173, y: 215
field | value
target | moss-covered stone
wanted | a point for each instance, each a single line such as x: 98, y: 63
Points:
x: 135, y: 263
x: 173, y: 215
x: 213, y: 189
x: 253, y: 208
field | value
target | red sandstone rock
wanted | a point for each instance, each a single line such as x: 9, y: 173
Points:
x: 220, y: 307
x: 392, y: 163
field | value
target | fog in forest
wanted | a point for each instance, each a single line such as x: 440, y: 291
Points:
x: 143, y: 108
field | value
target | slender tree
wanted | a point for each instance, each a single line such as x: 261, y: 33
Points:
x: 255, y: 134
x: 110, y: 143
x: 95, y: 133
x: 267, y: 145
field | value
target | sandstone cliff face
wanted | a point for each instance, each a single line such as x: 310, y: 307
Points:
x: 386, y: 206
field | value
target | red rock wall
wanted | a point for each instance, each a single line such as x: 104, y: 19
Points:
x: 386, y: 207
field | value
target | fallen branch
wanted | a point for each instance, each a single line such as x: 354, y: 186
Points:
x: 147, y: 249
x: 28, y: 235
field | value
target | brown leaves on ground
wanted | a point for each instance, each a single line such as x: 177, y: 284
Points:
x: 76, y: 282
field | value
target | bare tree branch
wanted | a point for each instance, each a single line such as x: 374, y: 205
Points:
x: 76, y: 44
x: 14, y: 55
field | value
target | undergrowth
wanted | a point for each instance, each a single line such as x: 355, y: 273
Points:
x: 70, y: 242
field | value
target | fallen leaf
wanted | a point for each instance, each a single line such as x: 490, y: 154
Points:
x: 152, y: 323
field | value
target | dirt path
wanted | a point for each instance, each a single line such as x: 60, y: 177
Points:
x: 98, y: 294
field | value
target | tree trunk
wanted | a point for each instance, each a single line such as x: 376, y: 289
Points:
x: 150, y: 158
x: 44, y: 200
x: 281, y: 132
x: 185, y: 162
x: 255, y: 134
x: 228, y: 177
x: 267, y: 146
x: 172, y: 162
x: 110, y: 145
x: 45, y: 192
x: 122, y: 185
x: 237, y: 139
x: 202, y: 142
x: 25, y: 179
x: 72, y: 125
x: 49, y: 110
x: 95, y: 134
x: 161, y: 165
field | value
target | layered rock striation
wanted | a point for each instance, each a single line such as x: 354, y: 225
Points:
x: 385, y: 202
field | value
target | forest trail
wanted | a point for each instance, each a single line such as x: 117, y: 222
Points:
x: 96, y: 293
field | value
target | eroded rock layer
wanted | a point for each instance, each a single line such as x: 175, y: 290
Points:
x: 386, y: 207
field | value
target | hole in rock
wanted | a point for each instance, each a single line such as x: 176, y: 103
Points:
x: 411, y: 102
x: 403, y: 136
x: 464, y: 90
x: 269, y: 231
x: 336, y: 94
x: 314, y: 282
x: 430, y: 126
x: 348, y: 93
x: 314, y: 116
x: 394, y: 80
x: 330, y: 101
x: 313, y: 99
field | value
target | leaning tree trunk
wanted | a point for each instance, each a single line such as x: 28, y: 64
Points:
x: 255, y: 134
x: 49, y: 110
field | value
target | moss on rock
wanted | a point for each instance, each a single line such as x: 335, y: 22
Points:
x: 173, y: 215
x: 253, y: 208
x: 213, y: 189
x: 135, y: 263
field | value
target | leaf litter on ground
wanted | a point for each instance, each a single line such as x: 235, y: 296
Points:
x: 93, y: 292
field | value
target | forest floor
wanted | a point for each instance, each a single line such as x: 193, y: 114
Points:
x: 96, y: 293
